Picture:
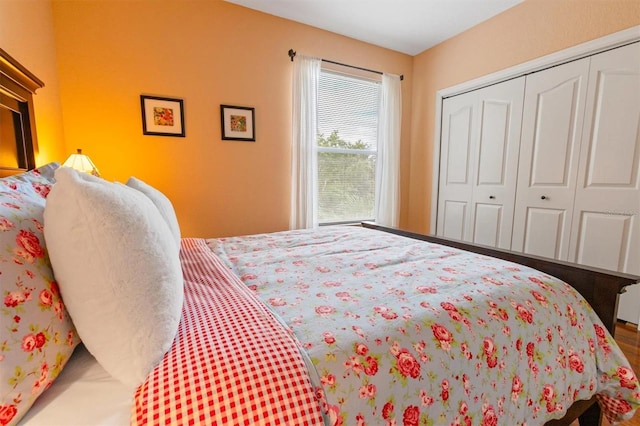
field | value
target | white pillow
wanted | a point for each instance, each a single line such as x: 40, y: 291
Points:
x: 162, y: 203
x: 118, y: 271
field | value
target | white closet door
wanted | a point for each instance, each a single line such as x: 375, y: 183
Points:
x: 549, y: 151
x: 456, y: 166
x: 478, y: 165
x: 496, y: 163
x: 606, y: 217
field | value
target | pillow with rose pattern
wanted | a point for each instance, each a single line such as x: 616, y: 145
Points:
x: 37, y: 336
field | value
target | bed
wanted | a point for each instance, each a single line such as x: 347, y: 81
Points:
x: 279, y: 267
x: 338, y: 325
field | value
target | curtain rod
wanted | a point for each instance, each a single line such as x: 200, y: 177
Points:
x: 292, y: 55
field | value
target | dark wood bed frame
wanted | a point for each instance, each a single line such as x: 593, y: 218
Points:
x: 599, y: 287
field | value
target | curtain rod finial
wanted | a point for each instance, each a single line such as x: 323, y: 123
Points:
x: 292, y: 54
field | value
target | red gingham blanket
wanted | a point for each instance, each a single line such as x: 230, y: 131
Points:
x: 231, y: 362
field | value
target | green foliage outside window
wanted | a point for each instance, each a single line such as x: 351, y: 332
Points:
x: 346, y: 181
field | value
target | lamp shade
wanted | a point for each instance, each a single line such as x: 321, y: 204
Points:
x: 81, y: 163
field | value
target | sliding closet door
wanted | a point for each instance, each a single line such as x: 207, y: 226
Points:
x: 606, y: 217
x: 549, y: 151
x: 478, y: 168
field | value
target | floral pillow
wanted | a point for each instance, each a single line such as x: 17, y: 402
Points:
x: 37, y: 336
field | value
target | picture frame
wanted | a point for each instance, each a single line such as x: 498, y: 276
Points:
x: 162, y: 116
x: 238, y: 123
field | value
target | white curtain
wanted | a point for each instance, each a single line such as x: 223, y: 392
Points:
x: 388, y: 162
x: 306, y: 74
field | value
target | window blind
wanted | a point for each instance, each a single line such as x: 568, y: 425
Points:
x: 346, y: 147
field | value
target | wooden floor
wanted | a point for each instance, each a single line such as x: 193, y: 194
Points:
x: 628, y: 338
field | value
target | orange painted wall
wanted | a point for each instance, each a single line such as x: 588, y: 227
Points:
x: 97, y: 57
x: 527, y: 31
x: 208, y: 53
x: 36, y: 51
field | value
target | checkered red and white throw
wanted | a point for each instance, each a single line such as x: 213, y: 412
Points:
x: 232, y: 362
x: 612, y: 408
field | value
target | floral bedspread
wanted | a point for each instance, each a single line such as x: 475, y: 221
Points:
x: 408, y: 332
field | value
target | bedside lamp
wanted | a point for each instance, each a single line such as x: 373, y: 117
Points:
x: 81, y: 163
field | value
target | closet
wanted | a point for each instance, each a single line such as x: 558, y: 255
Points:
x: 548, y: 164
x: 479, y: 164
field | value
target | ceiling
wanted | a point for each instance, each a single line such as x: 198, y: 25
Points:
x: 407, y: 26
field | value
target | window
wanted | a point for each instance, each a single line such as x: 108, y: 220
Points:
x: 346, y: 147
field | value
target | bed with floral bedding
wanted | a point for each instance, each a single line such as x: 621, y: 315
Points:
x: 408, y: 332
x: 110, y: 318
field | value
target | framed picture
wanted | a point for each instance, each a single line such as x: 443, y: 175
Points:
x: 238, y: 123
x: 162, y: 116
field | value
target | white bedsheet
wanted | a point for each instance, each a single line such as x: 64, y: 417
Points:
x: 84, y: 394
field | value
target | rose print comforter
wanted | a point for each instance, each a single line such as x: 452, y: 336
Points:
x: 407, y: 332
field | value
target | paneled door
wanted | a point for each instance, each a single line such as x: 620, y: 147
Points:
x: 606, y: 216
x: 478, y: 170
x: 496, y: 163
x: 553, y: 115
x: 455, y: 181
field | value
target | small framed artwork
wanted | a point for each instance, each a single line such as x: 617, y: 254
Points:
x: 162, y: 116
x: 238, y: 123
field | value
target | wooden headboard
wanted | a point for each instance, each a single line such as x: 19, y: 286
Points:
x: 18, y: 141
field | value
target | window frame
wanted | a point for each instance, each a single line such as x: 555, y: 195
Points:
x: 357, y: 74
